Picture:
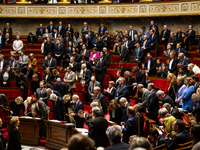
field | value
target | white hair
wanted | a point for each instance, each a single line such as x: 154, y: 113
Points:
x: 93, y: 78
x: 94, y: 104
x: 96, y: 111
x: 49, y: 89
x: 75, y: 96
x: 162, y: 112
x: 159, y: 92
x: 123, y: 99
x: 97, y: 88
x: 29, y: 99
x: 121, y: 78
x: 52, y: 96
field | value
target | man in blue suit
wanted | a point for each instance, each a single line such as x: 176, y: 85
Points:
x: 152, y: 103
x: 102, y: 29
x: 138, y: 53
x: 60, y: 87
x: 131, y: 125
x: 150, y: 65
x: 181, y: 137
x: 58, y: 51
x: 7, y: 27
x: 51, y: 27
x: 107, y: 55
x: 178, y: 49
x: 4, y: 62
x: 145, y: 45
x: 50, y: 62
x: 183, y: 61
x: 191, y: 35
x: 121, y: 90
x: 40, y: 31
x: 140, y: 76
x: 179, y: 35
x: 124, y: 103
x: 153, y: 40
x: 58, y: 104
x: 61, y: 29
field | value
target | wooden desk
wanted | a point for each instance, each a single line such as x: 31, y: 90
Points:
x: 58, y: 134
x: 29, y: 129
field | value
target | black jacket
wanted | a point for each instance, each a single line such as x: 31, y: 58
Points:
x: 102, y: 99
x: 99, y: 72
x: 58, y: 107
x: 152, y: 70
x: 111, y: 95
x: 141, y: 78
x: 124, y: 116
x: 129, y: 82
x: 48, y: 48
x: 3, y: 144
x: 173, y: 67
x: 14, y: 140
x: 118, y: 115
x: 172, y: 90
x: 97, y: 129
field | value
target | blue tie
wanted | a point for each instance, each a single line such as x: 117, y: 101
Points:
x: 41, y: 31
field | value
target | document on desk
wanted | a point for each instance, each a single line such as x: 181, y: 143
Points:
x: 83, y: 131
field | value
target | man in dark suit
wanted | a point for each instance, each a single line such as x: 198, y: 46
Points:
x: 61, y: 29
x: 191, y: 35
x: 124, y: 103
x: 131, y: 125
x: 58, y: 51
x: 90, y: 34
x: 67, y: 39
x: 181, y: 137
x: 44, y: 111
x: 99, y: 70
x: 150, y: 65
x: 3, y: 100
x: 3, y: 63
x: 153, y: 40
x: 41, y: 94
x: 155, y: 138
x: 93, y: 83
x: 13, y: 62
x: 87, y: 40
x: 86, y: 74
x: 7, y: 27
x: 131, y: 33
x: 178, y: 35
x: 31, y: 39
x: 55, y: 33
x: 102, y: 29
x: 84, y: 29
x: 40, y: 31
x: 153, y: 26
x: 60, y: 87
x: 173, y: 111
x: 106, y: 40
x: 172, y: 41
x: 101, y: 98
x: 58, y: 104
x: 48, y: 47
x: 121, y: 90
x: 145, y: 45
x: 50, y: 62
x: 165, y: 34
x: 51, y: 27
x: 194, y: 133
x: 2, y: 40
x: 179, y: 49
x: 164, y: 98
x: 138, y: 53
x: 2, y: 140
x: 114, y: 135
x: 49, y: 91
x: 85, y: 53
x: 152, y: 104
x: 183, y: 61
x: 108, y: 57
x: 97, y: 128
x: 195, y: 82
x: 140, y: 76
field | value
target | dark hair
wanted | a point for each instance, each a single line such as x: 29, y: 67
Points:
x: 33, y: 100
x: 94, y: 49
x: 23, y: 51
x: 180, y: 124
x: 143, y: 27
x: 76, y: 33
x: 80, y: 111
x: 17, y: 71
x: 195, y: 130
x: 149, y: 53
x: 136, y: 69
x: 69, y: 67
x: 184, y: 33
x: 6, y: 67
x: 153, y: 132
x: 131, y: 110
x: 196, y: 77
x: 103, y: 52
x: 49, y: 54
x: 88, y: 117
x: 137, y: 43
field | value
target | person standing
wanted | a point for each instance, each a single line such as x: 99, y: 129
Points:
x: 14, y: 140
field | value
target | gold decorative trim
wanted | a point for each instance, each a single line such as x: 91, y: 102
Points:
x: 100, y: 10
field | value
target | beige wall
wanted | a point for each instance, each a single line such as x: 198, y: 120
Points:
x: 24, y: 26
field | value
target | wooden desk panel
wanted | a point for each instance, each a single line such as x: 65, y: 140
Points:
x: 58, y: 134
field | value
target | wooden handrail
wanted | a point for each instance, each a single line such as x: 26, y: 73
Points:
x: 185, y: 143
x: 185, y: 148
x: 157, y: 147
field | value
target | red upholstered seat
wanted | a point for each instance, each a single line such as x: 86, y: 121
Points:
x: 163, y: 59
x: 166, y: 86
x: 40, y: 69
x: 51, y: 116
x: 12, y: 84
x: 153, y: 81
x: 196, y: 61
x: 11, y: 93
x: 194, y: 54
x: 85, y: 126
x: 132, y: 102
x: 62, y: 76
x: 116, y: 59
x: 193, y: 47
x: 87, y: 109
x: 130, y: 65
x: 78, y: 87
x: 79, y: 94
x: 114, y: 65
x: 50, y: 105
x: 160, y: 84
x: 34, y: 46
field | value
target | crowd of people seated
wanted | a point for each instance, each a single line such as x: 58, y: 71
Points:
x: 66, y: 50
